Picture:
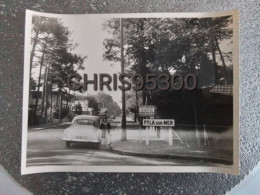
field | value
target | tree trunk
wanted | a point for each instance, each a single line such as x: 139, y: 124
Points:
x: 144, y: 96
x: 223, y: 61
x: 33, y: 50
x: 123, y: 122
x: 213, y: 52
x: 51, y: 114
x: 136, y: 102
x: 44, y: 92
x: 39, y: 80
x: 143, y: 69
x: 60, y: 106
x: 46, y: 96
x: 149, y: 98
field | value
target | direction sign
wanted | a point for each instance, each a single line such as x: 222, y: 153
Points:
x: 148, y: 110
x: 158, y: 122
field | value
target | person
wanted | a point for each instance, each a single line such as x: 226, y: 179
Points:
x: 102, y: 127
x: 108, y: 128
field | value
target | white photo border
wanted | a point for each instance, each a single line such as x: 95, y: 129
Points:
x: 227, y: 169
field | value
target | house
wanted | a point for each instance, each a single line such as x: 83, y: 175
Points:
x: 85, y: 108
x: 54, y: 105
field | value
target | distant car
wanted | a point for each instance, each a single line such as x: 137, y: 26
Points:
x: 84, y: 128
x: 112, y: 117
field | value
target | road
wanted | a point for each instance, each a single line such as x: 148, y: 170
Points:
x: 45, y: 147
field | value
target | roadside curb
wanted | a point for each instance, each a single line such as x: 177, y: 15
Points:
x: 172, y: 156
x: 43, y: 128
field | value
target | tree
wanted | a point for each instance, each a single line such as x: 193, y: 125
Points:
x: 105, y: 99
x: 223, y: 32
x: 52, y: 49
x: 107, y: 102
x: 115, y: 109
x: 78, y: 109
x: 33, y: 84
x: 92, y: 103
x: 169, y: 45
x: 184, y: 45
x: 133, y: 99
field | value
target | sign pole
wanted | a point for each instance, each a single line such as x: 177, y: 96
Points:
x: 147, y: 111
x: 147, y: 136
x: 170, y: 136
x: 163, y: 123
x: 123, y: 120
x: 140, y: 136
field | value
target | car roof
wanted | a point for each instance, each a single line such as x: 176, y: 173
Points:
x: 94, y: 118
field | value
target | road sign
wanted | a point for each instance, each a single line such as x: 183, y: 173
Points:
x: 158, y: 122
x: 146, y: 111
x: 103, y: 110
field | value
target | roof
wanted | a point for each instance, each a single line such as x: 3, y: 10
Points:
x: 55, y: 90
x: 222, y: 89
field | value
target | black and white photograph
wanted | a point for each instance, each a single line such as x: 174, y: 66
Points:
x: 131, y: 93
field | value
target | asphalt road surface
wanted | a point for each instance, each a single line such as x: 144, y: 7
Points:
x: 46, y: 147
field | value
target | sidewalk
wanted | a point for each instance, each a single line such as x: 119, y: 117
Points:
x: 48, y: 126
x: 161, y: 149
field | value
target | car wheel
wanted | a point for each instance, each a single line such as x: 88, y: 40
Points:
x: 67, y: 144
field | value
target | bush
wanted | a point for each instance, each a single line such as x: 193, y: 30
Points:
x: 64, y: 113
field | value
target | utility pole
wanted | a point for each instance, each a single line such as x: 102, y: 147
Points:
x: 123, y: 122
x: 136, y: 102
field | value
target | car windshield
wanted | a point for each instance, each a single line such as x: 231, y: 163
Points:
x: 84, y: 122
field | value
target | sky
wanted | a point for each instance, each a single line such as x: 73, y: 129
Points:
x: 89, y: 34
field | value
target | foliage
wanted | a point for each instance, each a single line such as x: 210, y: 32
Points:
x: 131, y: 103
x: 107, y: 102
x: 33, y: 84
x: 78, y: 109
x: 62, y: 115
x: 92, y: 103
x: 53, y: 42
x: 170, y: 45
x: 52, y: 55
x: 167, y: 44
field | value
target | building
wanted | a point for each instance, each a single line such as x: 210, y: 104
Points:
x: 85, y: 108
x: 53, y: 106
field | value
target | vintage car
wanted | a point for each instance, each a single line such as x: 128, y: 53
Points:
x: 84, y: 128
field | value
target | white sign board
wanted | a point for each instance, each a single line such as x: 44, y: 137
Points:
x: 103, y: 110
x: 148, y: 110
x: 158, y: 122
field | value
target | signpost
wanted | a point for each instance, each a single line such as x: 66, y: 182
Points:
x: 147, y: 111
x: 150, y: 123
x: 159, y: 122
x: 163, y: 123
